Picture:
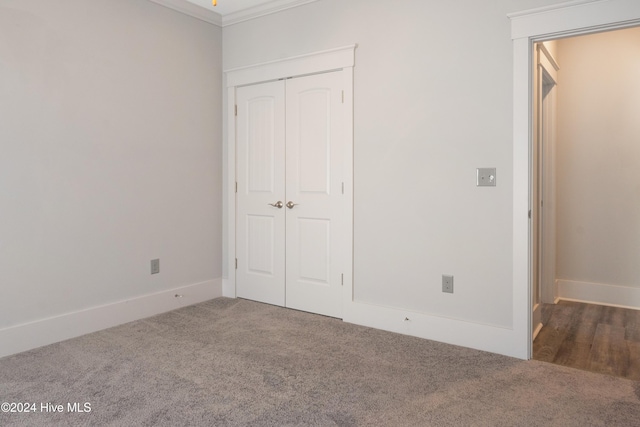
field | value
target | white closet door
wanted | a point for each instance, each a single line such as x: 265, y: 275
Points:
x: 260, y: 232
x: 314, y: 177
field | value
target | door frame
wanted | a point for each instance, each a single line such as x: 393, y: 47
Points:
x: 547, y: 123
x: 562, y: 20
x: 543, y: 217
x: 338, y: 59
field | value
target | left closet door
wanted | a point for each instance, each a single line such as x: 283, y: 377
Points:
x: 260, y: 232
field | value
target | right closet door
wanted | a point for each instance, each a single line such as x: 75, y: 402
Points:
x: 290, y: 199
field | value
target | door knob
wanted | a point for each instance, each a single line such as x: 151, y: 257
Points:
x: 277, y: 204
x: 290, y: 205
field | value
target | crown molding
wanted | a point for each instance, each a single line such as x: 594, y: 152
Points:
x: 204, y: 14
x: 191, y: 9
x: 268, y: 8
x: 550, y: 8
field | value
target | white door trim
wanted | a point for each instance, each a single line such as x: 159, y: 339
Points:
x: 571, y: 18
x: 311, y: 63
x: 342, y: 58
x: 546, y: 74
x: 547, y: 133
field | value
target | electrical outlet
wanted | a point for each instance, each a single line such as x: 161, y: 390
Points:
x: 447, y: 284
x: 155, y: 266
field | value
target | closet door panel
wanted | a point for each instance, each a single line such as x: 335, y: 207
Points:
x: 315, y: 213
x: 260, y: 232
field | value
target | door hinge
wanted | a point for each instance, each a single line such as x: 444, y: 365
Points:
x: 236, y: 110
x: 236, y: 186
x: 529, y: 213
x: 343, y: 188
x: 236, y: 263
x: 342, y: 279
x: 343, y: 97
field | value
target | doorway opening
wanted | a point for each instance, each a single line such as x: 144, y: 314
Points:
x: 585, y: 202
x: 568, y: 19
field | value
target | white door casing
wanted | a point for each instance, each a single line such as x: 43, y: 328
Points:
x: 535, y: 207
x: 547, y: 130
x: 543, y: 205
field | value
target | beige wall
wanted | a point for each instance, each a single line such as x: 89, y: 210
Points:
x: 110, y: 139
x: 598, y: 159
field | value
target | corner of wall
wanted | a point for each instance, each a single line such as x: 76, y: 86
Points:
x: 19, y: 338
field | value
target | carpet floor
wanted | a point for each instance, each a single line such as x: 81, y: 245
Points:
x: 232, y: 362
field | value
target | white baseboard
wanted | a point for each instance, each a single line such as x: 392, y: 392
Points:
x: 537, y: 320
x: 599, y: 293
x: 537, y: 330
x: 489, y: 338
x: 228, y: 289
x: 19, y: 338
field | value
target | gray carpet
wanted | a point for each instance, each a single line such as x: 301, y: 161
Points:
x: 241, y: 363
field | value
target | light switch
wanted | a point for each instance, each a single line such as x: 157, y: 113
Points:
x: 486, y: 177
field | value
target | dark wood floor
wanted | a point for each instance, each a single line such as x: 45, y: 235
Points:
x: 590, y: 337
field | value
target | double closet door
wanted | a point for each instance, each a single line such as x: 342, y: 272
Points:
x: 290, y: 193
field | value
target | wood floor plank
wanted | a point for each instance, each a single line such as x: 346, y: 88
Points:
x: 591, y: 337
x: 558, y: 316
x: 546, y: 313
x: 632, y: 370
x: 573, y: 354
x: 632, y: 319
x: 547, y: 343
x: 632, y: 333
x: 614, y: 316
x: 585, y: 322
x: 609, y: 353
